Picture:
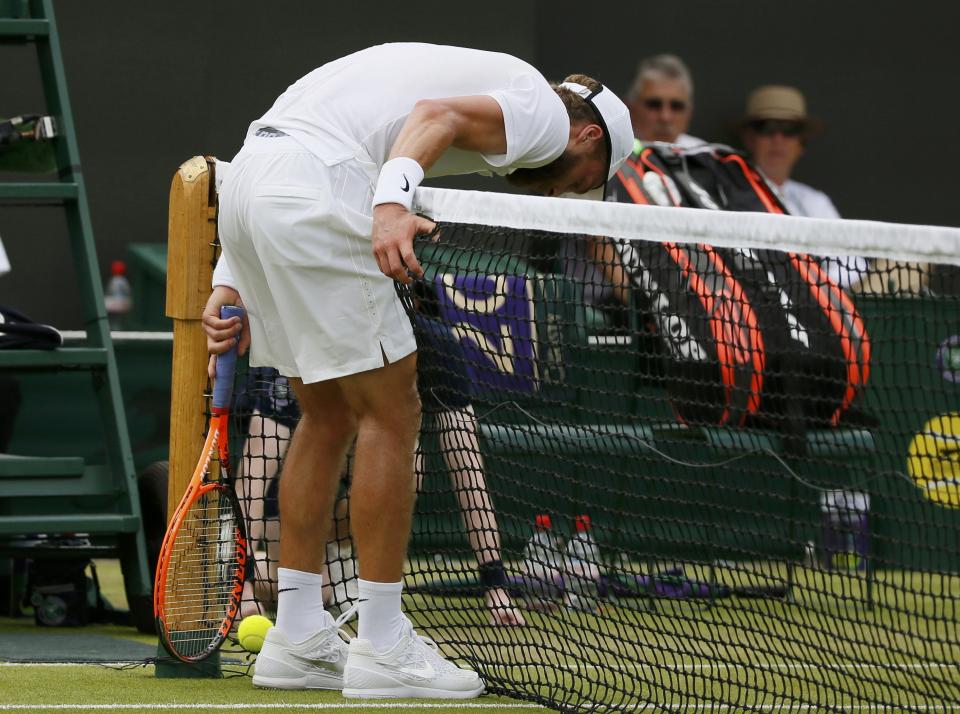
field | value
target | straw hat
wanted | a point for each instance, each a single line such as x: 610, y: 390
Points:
x: 783, y: 103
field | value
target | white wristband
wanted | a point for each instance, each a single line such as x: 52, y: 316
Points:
x: 398, y: 180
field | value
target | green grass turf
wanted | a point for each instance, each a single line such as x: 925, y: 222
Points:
x: 24, y: 689
x: 30, y: 688
x: 834, y: 643
x: 830, y: 646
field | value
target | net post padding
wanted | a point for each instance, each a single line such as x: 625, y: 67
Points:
x: 190, y: 240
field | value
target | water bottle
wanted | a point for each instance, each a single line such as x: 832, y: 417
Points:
x: 582, y: 568
x: 543, y: 561
x: 845, y: 529
x: 117, y: 296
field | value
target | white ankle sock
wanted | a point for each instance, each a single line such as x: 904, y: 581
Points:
x: 380, y: 618
x: 300, y: 612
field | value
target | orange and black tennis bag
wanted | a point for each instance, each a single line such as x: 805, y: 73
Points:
x: 750, y: 337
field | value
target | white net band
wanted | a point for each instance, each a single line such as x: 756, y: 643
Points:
x: 872, y: 239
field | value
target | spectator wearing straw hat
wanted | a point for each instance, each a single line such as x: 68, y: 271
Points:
x: 775, y: 130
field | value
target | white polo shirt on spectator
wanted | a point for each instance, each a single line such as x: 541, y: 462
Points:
x: 803, y: 200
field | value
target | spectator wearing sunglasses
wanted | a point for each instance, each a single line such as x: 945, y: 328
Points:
x: 661, y: 101
x: 775, y: 131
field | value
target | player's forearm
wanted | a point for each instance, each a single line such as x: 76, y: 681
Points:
x: 428, y: 132
x: 472, y: 123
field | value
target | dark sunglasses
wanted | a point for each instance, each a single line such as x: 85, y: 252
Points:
x: 769, y: 127
x: 657, y: 103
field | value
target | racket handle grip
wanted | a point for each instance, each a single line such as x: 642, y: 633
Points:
x: 226, y: 365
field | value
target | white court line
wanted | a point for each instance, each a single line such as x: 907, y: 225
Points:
x: 329, y: 705
x: 789, y: 666
x: 793, y: 707
x: 779, y: 706
x: 758, y: 665
x: 613, y: 667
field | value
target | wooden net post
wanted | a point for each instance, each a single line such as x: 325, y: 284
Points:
x: 190, y: 256
x: 191, y: 251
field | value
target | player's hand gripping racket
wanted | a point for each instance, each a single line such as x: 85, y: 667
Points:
x: 203, y: 558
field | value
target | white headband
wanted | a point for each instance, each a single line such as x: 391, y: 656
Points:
x: 614, y: 120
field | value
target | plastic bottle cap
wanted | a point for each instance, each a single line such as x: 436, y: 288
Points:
x: 118, y: 267
x: 543, y: 522
x: 582, y: 523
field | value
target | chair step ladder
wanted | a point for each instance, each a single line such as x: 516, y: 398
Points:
x: 93, y: 494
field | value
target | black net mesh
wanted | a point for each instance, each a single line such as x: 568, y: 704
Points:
x: 667, y: 476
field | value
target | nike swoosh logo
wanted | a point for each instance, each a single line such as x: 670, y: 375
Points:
x: 424, y: 672
x: 406, y: 183
x: 323, y: 662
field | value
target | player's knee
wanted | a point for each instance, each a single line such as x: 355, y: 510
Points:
x: 404, y: 407
x: 400, y: 418
x: 333, y: 429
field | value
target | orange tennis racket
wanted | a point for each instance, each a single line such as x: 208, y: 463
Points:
x: 203, y: 558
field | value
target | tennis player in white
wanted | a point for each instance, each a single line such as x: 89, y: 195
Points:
x: 315, y: 224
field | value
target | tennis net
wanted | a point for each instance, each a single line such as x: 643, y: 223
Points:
x: 708, y: 459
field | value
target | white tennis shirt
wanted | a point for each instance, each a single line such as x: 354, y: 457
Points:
x: 354, y: 107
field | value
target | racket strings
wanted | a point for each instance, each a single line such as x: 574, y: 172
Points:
x: 203, y: 573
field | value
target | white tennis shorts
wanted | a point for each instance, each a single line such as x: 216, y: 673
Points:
x: 296, y: 234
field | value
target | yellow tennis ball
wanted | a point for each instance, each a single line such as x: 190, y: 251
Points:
x: 252, y: 630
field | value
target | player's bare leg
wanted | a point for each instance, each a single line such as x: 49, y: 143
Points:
x: 388, y: 658
x: 311, y: 472
x: 387, y: 412
x: 305, y: 650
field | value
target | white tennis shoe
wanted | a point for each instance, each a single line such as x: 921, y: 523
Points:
x: 315, y: 663
x: 413, y: 668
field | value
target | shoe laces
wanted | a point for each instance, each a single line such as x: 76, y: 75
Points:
x: 424, y: 648
x: 420, y: 642
x: 326, y: 647
x: 347, y: 615
x: 423, y: 639
x: 344, y: 618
